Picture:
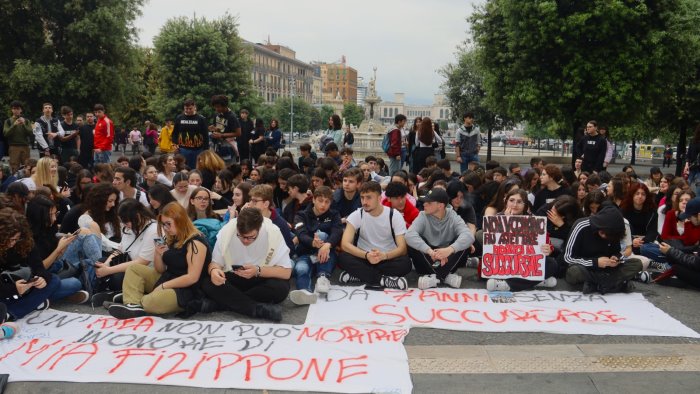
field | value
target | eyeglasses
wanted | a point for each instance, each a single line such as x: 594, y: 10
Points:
x: 255, y: 200
x: 244, y: 238
x: 201, y: 198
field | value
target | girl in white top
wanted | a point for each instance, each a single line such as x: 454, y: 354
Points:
x: 137, y: 240
x: 100, y: 217
x: 45, y: 173
x: 182, y: 190
x: 167, y: 167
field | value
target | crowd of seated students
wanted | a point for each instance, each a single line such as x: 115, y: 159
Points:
x: 149, y: 235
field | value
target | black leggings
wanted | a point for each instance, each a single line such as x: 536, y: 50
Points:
x: 242, y: 295
x: 372, y: 273
x: 520, y: 284
x: 424, y: 264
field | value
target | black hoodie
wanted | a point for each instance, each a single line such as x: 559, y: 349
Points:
x: 585, y: 245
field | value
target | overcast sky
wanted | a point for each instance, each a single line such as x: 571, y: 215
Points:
x: 407, y: 40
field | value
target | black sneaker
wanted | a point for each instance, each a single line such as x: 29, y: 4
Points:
x: 128, y: 311
x: 268, y: 312
x: 43, y: 306
x: 118, y: 298
x: 346, y: 278
x: 394, y: 282
x: 98, y: 299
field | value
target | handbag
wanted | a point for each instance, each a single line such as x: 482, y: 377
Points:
x: 120, y: 257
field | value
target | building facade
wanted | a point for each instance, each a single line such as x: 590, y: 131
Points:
x: 438, y: 110
x: 339, y: 79
x: 276, y: 70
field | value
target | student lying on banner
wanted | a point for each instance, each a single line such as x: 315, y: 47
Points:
x: 438, y: 241
x: 172, y: 284
x: 593, y: 253
x: 516, y: 203
x: 250, y: 267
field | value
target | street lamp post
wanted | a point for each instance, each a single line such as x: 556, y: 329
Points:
x: 291, y: 113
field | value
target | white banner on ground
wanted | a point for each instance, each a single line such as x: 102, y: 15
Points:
x: 558, y: 312
x: 62, y: 346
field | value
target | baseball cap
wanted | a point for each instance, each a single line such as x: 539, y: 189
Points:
x: 436, y: 195
x: 691, y: 209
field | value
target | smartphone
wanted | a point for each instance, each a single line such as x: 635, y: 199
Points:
x: 61, y: 235
x: 374, y: 287
x: 159, y: 241
x: 34, y: 279
x: 76, y: 232
x: 236, y: 267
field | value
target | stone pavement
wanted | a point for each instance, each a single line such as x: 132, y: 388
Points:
x: 443, y: 361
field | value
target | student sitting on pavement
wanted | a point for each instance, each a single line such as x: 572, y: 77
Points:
x: 250, y: 268
x: 374, y: 248
x: 395, y: 197
x: 438, y: 241
x: 319, y: 231
x: 346, y: 200
x: 593, y: 253
x: 685, y: 266
x: 172, y: 284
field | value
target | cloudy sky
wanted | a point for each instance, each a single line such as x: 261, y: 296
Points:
x: 407, y: 40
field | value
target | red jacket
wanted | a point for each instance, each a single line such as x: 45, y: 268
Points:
x: 395, y: 143
x: 104, y: 134
x: 410, y: 212
x: 691, y: 233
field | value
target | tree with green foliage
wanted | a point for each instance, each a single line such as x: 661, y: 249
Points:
x: 71, y: 52
x: 302, y: 114
x: 353, y: 114
x: 464, y: 89
x: 569, y: 61
x: 326, y: 112
x: 197, y: 58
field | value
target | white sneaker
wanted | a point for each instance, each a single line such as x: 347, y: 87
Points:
x: 549, y: 282
x: 497, y: 285
x: 427, y: 281
x: 394, y: 282
x: 303, y: 297
x: 323, y: 285
x: 453, y: 280
x: 346, y: 278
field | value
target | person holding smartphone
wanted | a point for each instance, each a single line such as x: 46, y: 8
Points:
x: 172, y: 284
x: 256, y: 244
x: 24, y: 283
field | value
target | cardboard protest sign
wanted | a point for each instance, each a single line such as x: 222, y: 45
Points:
x: 559, y: 312
x: 62, y: 346
x: 512, y: 247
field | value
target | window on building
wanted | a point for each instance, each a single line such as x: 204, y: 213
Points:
x: 385, y: 115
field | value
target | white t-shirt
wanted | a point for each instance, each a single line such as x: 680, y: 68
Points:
x: 135, y: 136
x: 29, y: 182
x: 85, y: 220
x: 254, y: 254
x: 164, y: 179
x: 374, y: 231
x: 142, y: 197
x: 183, y: 200
x: 143, y: 246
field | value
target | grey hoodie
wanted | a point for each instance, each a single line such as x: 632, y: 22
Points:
x: 427, y: 231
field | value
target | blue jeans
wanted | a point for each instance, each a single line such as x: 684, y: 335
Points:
x: 68, y: 286
x: 190, y: 156
x: 394, y: 165
x: 24, y: 305
x: 652, y: 251
x: 304, y: 268
x: 466, y: 158
x: 86, y: 249
x: 404, y: 152
x: 103, y: 157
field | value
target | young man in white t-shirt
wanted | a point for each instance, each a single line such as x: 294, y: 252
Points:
x: 377, y: 258
x: 250, y: 267
x: 125, y: 181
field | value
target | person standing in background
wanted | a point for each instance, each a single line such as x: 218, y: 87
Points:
x: 87, y: 140
x: 165, y: 141
x: 243, y: 141
x: 17, y: 130
x: 104, y: 135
